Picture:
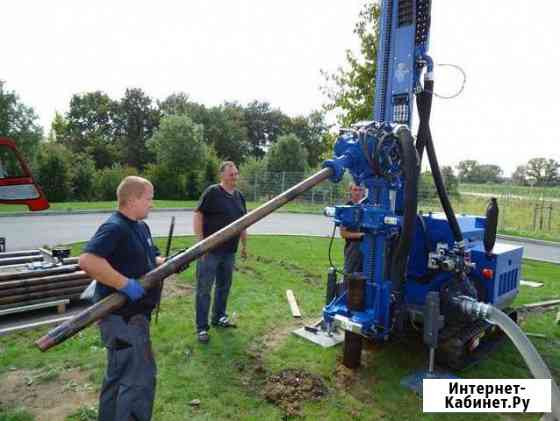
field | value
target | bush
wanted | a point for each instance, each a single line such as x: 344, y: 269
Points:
x: 82, y: 177
x: 53, y: 172
x: 108, y: 179
x: 192, y: 186
x: 168, y: 184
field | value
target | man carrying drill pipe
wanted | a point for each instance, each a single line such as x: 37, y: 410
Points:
x: 220, y: 205
x: 120, y: 252
x: 352, y: 254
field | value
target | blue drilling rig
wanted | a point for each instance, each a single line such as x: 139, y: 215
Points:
x: 414, y: 265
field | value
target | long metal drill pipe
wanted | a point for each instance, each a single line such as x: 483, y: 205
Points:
x: 152, y: 278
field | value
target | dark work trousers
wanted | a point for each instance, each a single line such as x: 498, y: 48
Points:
x: 129, y: 386
x: 218, y: 267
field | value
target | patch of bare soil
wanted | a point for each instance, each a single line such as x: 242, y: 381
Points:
x: 48, y: 394
x: 173, y: 286
x: 308, y: 277
x: 292, y: 387
x: 344, y: 377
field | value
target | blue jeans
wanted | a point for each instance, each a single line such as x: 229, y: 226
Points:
x: 129, y: 386
x: 218, y: 267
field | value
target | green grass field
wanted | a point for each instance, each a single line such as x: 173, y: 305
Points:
x: 508, y: 189
x: 229, y: 375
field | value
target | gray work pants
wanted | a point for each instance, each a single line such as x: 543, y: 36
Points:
x: 129, y: 386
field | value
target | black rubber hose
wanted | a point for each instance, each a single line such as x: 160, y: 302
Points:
x: 424, y: 105
x: 424, y: 139
x: 411, y: 172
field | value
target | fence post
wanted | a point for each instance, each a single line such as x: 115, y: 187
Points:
x: 535, y: 217
x: 283, y: 181
x: 255, y: 188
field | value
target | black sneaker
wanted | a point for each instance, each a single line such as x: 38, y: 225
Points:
x: 224, y: 322
x: 203, y: 337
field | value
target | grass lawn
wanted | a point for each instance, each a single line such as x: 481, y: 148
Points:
x: 295, y: 206
x: 505, y: 189
x: 230, y: 374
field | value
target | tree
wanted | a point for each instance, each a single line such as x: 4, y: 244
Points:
x: 82, y: 176
x: 168, y: 184
x: 19, y: 122
x: 180, y: 104
x: 287, y: 155
x: 519, y: 176
x: 351, y: 90
x: 465, y: 169
x: 89, y: 126
x: 226, y: 131
x: 471, y: 171
x: 179, y: 144
x: 252, y: 174
x: 264, y: 125
x: 192, y: 187
x: 450, y: 180
x: 136, y: 121
x: 211, y: 169
x: 543, y: 171
x: 312, y: 132
x: 487, y: 173
x: 53, y: 172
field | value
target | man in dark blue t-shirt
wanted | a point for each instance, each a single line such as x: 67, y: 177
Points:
x: 220, y: 205
x: 120, y: 252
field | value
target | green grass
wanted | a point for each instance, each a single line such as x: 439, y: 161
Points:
x: 299, y: 207
x: 228, y: 375
x: 516, y: 215
x: 508, y: 189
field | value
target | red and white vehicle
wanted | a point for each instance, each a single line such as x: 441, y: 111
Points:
x: 17, y: 185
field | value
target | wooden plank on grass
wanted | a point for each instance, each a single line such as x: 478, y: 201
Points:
x: 293, y: 303
x: 20, y: 309
x: 531, y: 284
x: 12, y: 329
x: 548, y: 303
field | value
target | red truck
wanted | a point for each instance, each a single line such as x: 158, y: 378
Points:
x: 17, y: 185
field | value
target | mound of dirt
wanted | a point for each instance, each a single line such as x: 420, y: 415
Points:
x: 291, y: 387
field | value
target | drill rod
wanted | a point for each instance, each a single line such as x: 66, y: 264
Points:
x: 150, y: 280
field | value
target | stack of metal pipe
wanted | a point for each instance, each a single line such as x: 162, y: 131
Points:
x: 20, y: 285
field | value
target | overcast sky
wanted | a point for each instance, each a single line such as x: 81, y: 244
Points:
x: 218, y: 50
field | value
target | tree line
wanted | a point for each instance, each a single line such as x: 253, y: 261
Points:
x: 537, y: 171
x: 176, y: 142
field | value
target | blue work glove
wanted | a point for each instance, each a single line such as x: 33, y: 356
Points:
x: 133, y: 290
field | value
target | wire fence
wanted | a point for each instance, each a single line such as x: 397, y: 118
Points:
x: 521, y: 213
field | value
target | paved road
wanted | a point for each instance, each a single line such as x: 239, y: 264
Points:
x: 27, y: 232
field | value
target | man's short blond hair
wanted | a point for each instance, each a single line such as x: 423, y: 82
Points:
x: 131, y: 187
x: 225, y: 165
